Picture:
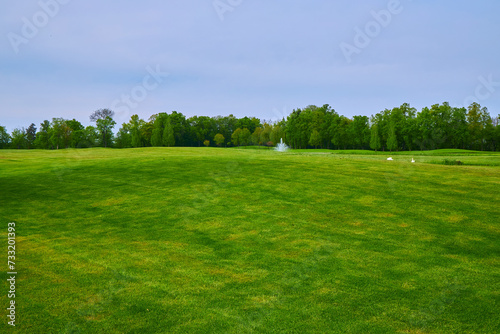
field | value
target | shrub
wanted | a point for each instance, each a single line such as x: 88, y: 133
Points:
x: 452, y: 162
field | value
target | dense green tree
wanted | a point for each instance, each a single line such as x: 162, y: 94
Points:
x: 392, y: 141
x: 202, y: 128
x: 265, y: 134
x: 19, y: 140
x: 235, y: 137
x: 255, y: 137
x: 159, y: 122
x: 249, y: 123
x: 219, y: 139
x: 168, y: 134
x: 225, y: 125
x: 105, y: 124
x: 91, y: 137
x: 278, y: 133
x: 496, y: 135
x: 123, y: 136
x: 315, y: 139
x: 42, y: 140
x: 340, y: 133
x: 375, y: 138
x: 459, y: 134
x: 136, y: 125
x: 360, y: 132
x: 425, y: 130
x: 146, y: 129
x: 4, y: 138
x: 408, y: 127
x: 30, y: 136
x: 245, y: 137
x: 487, y: 131
x: 58, y: 133
x: 75, y: 133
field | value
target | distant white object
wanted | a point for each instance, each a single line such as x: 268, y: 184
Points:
x: 412, y: 160
x: 281, y: 147
x: 390, y: 159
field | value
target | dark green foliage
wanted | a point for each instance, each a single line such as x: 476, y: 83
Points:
x: 219, y: 139
x: 159, y: 122
x: 375, y: 139
x: 452, y: 162
x: 105, y: 123
x: 315, y: 139
x: 392, y: 141
x: 168, y: 134
x: 31, y: 136
x: 245, y: 137
x: 4, y: 138
x: 235, y: 137
x: 19, y: 140
x: 136, y: 125
x: 402, y: 128
x: 42, y: 137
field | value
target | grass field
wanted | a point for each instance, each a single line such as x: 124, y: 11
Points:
x: 205, y: 240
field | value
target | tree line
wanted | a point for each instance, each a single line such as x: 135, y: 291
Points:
x: 400, y: 128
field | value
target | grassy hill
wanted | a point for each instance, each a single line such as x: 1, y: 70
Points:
x: 205, y: 240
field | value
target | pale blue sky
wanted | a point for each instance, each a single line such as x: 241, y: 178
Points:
x: 264, y: 58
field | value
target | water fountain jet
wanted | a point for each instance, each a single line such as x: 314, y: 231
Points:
x: 281, y: 147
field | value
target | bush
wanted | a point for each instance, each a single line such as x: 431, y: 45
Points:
x: 452, y: 162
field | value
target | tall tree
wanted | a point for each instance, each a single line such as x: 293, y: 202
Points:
x: 90, y: 137
x: 235, y: 137
x: 57, y: 133
x: 255, y: 138
x: 76, y: 133
x: 19, y: 140
x: 158, y: 129
x: 265, y: 133
x: 487, y: 130
x: 408, y: 131
x: 392, y: 141
x: 277, y: 133
x: 105, y: 123
x: 459, y: 128
x: 219, y: 139
x: 375, y: 138
x: 31, y: 136
x: 123, y: 137
x: 43, y: 137
x: 315, y: 138
x: 245, y: 137
x: 496, y: 123
x: 135, y: 126
x: 4, y: 138
x: 340, y: 134
x: 168, y: 135
x: 360, y: 132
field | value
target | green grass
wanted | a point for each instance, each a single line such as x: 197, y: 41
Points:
x: 205, y: 240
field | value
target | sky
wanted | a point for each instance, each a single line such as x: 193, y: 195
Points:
x: 68, y: 58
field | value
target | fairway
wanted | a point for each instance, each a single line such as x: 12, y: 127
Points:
x: 207, y: 240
